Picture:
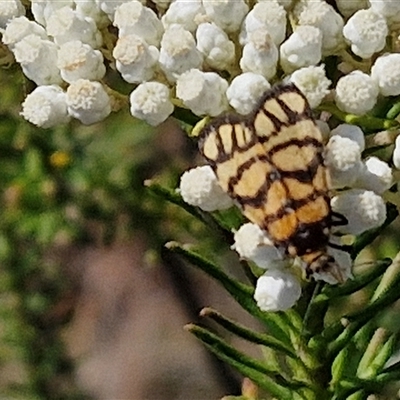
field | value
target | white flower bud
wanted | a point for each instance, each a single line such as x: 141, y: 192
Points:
x: 178, y: 52
x: 150, y: 101
x: 46, y: 107
x: 38, y: 59
x: 10, y: 9
x: 324, y: 17
x: 375, y: 175
x: 135, y: 59
x: 348, y: 8
x: 43, y: 9
x: 66, y: 25
x: 88, y: 101
x: 227, y: 14
x: 363, y: 209
x: 252, y: 243
x: 89, y: 8
x: 388, y: 8
x: 386, y: 72
x: 186, y: 13
x: 214, y: 44
x: 366, y: 30
x: 352, y: 132
x: 109, y: 6
x: 356, y: 93
x: 277, y: 290
x: 396, y: 153
x: 302, y: 49
x: 77, y: 60
x: 269, y: 15
x: 313, y: 83
x: 133, y: 18
x: 343, y: 159
x: 260, y: 54
x: 202, y: 92
x: 199, y: 187
x: 20, y: 27
x: 245, y: 91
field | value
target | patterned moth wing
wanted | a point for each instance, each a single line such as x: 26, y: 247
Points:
x: 271, y: 164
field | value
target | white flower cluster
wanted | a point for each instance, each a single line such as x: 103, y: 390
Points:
x: 211, y: 55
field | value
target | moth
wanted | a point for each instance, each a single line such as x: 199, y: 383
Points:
x: 270, y: 163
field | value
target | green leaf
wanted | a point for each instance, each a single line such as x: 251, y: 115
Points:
x: 268, y: 380
x: 354, y: 285
x: 242, y: 293
x: 172, y: 196
x: 247, y: 334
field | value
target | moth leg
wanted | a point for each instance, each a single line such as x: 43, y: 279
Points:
x: 340, y: 219
x: 343, y: 247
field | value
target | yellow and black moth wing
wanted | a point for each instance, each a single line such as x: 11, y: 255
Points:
x: 271, y: 163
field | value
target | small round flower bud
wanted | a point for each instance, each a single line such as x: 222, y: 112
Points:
x: 77, y: 60
x: 66, y: 24
x: 313, y: 83
x: 185, y: 13
x: 269, y: 15
x: 228, y: 14
x: 356, y: 93
x: 324, y: 17
x: 363, y: 209
x: 245, y: 91
x: 352, y: 132
x: 109, y: 6
x: 396, y: 153
x: 214, y: 44
x: 343, y: 159
x: 20, y: 27
x: 178, y: 52
x: 375, y: 175
x: 260, y: 54
x: 277, y: 290
x: 252, y: 243
x: 88, y: 101
x: 386, y: 72
x: 46, y: 107
x: 150, y: 102
x: 301, y: 49
x: 89, y: 8
x: 10, y: 9
x: 43, y: 9
x: 38, y: 59
x: 199, y: 187
x: 135, y: 59
x: 132, y: 18
x: 202, y: 92
x: 366, y: 30
x: 388, y: 8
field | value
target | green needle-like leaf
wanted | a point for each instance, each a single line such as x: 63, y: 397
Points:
x: 354, y: 285
x: 247, y: 334
x: 273, y: 383
x: 208, y: 219
x: 242, y: 293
